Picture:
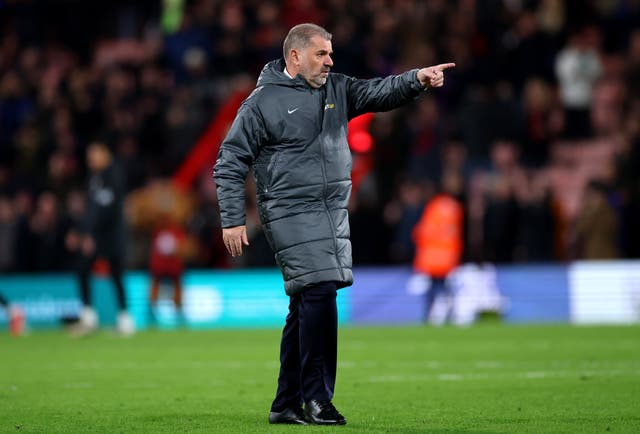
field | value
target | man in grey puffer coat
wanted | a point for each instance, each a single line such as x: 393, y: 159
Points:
x: 293, y: 131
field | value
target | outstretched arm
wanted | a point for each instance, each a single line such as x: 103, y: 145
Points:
x: 383, y: 94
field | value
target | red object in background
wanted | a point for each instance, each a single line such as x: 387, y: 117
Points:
x: 294, y: 12
x: 359, y: 138
x: 361, y: 143
x: 205, y: 150
x: 17, y: 321
x: 101, y: 267
x: 166, y: 243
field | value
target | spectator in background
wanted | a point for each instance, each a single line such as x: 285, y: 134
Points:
x: 539, y: 129
x: 73, y: 216
x: 16, y: 106
x: 425, y: 128
x: 632, y: 69
x: 596, y: 229
x: 629, y: 181
x: 497, y: 219
x: 578, y: 66
x: 46, y: 236
x: 102, y: 235
x: 366, y: 217
x: 402, y: 214
x: 536, y: 226
x: 23, y: 206
x: 439, y: 237
x: 7, y: 234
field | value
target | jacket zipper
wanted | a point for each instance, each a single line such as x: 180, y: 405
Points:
x: 324, y: 185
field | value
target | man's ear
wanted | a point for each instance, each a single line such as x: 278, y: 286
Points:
x: 294, y: 56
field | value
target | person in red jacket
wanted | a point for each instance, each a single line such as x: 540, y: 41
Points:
x: 438, y: 237
x: 167, y: 262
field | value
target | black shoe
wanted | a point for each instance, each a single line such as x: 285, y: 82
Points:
x: 293, y: 416
x: 323, y: 413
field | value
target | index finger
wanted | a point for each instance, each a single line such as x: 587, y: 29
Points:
x: 444, y: 66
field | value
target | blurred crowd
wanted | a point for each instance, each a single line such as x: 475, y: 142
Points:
x: 538, y: 125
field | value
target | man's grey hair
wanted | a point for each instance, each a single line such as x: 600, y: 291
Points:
x: 300, y: 37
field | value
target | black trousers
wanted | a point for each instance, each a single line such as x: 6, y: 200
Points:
x: 439, y: 287
x: 309, y: 348
x: 84, y: 265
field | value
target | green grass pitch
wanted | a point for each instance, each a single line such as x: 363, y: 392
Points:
x: 483, y: 379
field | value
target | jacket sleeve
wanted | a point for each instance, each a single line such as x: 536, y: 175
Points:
x: 237, y: 153
x: 382, y: 94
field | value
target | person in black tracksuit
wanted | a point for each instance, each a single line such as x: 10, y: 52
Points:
x: 292, y: 130
x: 101, y: 234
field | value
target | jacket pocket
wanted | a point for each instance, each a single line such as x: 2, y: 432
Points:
x: 260, y: 175
x: 272, y: 170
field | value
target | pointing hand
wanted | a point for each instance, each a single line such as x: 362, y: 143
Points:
x: 433, y: 76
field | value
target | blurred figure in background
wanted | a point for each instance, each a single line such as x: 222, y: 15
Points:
x: 15, y: 316
x: 163, y: 210
x: 537, y: 225
x: 102, y: 235
x: 403, y: 213
x: 499, y: 219
x: 578, y: 66
x: 596, y: 229
x: 8, y: 226
x: 23, y: 208
x: 47, y: 251
x: 438, y: 237
x: 166, y: 263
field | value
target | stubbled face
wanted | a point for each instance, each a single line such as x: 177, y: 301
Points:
x: 315, y: 61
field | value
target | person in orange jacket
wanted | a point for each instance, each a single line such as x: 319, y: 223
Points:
x: 438, y: 237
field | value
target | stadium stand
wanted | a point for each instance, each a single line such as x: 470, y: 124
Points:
x: 544, y: 102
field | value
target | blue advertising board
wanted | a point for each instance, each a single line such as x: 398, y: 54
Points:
x: 380, y: 295
x: 535, y: 293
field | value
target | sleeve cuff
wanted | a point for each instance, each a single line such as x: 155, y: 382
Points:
x: 415, y: 83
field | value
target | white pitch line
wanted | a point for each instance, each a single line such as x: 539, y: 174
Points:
x: 529, y: 375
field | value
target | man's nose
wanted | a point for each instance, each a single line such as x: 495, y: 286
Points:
x: 328, y: 61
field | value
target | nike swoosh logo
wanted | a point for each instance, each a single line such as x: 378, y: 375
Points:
x: 291, y: 111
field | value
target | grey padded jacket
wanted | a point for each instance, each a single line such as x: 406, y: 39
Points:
x: 295, y: 139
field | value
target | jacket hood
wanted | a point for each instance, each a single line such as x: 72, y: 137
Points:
x: 273, y: 73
